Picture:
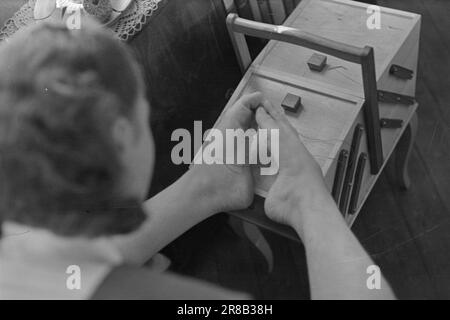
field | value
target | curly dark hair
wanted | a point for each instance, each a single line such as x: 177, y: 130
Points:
x: 60, y: 91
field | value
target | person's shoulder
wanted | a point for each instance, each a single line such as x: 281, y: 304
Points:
x: 127, y: 282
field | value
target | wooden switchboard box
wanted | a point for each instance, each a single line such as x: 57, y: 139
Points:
x: 356, y: 102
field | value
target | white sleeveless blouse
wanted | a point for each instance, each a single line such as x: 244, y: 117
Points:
x: 36, y: 264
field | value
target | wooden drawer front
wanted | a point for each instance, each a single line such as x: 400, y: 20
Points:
x: 390, y: 137
x: 397, y: 111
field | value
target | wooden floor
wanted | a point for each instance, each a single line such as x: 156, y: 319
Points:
x: 406, y: 233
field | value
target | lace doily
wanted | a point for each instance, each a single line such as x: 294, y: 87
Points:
x: 129, y: 24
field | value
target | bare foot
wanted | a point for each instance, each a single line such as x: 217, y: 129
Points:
x: 232, y: 184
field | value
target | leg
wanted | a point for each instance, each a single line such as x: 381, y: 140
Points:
x: 403, y: 152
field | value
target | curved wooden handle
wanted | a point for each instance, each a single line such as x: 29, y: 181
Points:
x: 291, y: 35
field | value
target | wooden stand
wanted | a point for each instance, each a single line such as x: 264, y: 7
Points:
x: 360, y: 104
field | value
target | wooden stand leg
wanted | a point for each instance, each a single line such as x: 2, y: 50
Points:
x: 399, y: 162
x: 255, y: 236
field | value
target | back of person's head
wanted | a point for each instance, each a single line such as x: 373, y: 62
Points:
x: 60, y: 91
